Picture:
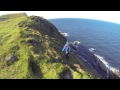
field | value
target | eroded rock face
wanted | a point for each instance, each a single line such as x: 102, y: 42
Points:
x: 66, y: 74
x: 113, y: 75
x: 3, y: 19
x: 11, y: 58
x: 102, y: 66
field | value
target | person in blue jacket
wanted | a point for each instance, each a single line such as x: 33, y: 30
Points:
x: 67, y: 49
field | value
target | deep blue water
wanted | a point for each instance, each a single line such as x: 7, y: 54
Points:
x: 103, y: 36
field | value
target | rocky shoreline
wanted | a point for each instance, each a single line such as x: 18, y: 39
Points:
x: 112, y: 73
x: 102, y: 67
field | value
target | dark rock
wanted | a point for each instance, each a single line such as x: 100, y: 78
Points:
x: 32, y: 42
x: 11, y: 58
x: 22, y: 24
x: 113, y: 74
x: 66, y: 74
x: 3, y: 19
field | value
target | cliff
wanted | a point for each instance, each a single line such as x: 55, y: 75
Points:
x: 31, y: 48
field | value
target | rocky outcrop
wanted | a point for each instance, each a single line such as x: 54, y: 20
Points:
x: 3, y: 19
x: 112, y: 73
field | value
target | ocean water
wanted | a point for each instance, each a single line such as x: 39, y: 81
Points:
x: 98, y: 37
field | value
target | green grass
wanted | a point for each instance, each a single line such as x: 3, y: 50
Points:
x: 13, y: 16
x: 35, y: 45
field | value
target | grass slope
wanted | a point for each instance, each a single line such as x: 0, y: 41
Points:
x: 29, y: 47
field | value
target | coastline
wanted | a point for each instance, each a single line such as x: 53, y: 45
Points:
x: 103, y: 69
x: 112, y: 73
x: 98, y: 70
x: 99, y: 65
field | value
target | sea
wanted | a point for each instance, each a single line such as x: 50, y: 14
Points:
x: 100, y: 38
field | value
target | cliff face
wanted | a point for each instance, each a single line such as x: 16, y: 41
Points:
x: 31, y: 47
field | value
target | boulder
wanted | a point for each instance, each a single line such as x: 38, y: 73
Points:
x: 11, y: 58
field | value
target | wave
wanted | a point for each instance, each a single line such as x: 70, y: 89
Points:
x: 106, y: 66
x: 92, y: 49
x: 102, y: 59
x: 65, y: 34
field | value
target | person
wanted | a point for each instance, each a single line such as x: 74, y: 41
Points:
x: 67, y: 49
x: 73, y: 48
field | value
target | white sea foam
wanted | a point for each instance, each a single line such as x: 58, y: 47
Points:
x: 59, y: 31
x: 65, y: 34
x: 92, y: 49
x: 101, y: 59
x: 107, y: 65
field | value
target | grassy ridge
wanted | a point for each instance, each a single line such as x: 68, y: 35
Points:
x: 11, y: 16
x: 29, y: 47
